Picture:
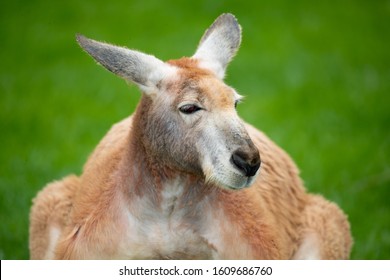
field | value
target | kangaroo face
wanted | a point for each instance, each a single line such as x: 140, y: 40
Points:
x: 199, y: 130
x: 190, y: 121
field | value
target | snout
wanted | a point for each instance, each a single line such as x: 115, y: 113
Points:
x: 231, y: 160
x: 246, y: 161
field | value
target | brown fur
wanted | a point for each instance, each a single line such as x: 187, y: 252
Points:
x: 269, y: 220
x: 201, y: 80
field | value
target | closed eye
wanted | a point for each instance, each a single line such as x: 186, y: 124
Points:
x: 189, y: 109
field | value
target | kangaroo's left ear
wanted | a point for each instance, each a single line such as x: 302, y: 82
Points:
x: 219, y: 44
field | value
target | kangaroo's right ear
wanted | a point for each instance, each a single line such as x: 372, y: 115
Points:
x: 144, y: 70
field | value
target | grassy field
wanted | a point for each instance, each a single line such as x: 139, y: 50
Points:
x: 316, y: 77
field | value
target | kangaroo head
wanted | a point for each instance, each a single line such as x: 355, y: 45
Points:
x: 189, y: 120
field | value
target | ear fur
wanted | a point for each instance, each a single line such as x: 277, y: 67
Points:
x: 134, y: 66
x: 219, y: 44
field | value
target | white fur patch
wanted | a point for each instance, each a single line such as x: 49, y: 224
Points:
x: 309, y: 248
x: 158, y: 71
x: 208, y: 64
x: 54, y: 234
x: 164, y: 231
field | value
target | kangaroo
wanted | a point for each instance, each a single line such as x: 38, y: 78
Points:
x: 184, y: 177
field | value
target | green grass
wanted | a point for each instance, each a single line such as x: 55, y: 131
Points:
x: 316, y: 77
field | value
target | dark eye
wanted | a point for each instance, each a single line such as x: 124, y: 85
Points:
x: 189, y: 109
x: 236, y: 103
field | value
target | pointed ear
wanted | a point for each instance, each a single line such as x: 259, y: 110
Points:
x: 144, y: 70
x: 219, y: 44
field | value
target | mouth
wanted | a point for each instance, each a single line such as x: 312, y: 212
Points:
x: 232, y: 181
x: 247, y: 182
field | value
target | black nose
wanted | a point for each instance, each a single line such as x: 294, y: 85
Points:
x: 248, y: 163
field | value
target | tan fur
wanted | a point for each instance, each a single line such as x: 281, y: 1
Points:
x: 135, y: 200
x: 272, y: 216
x: 51, y: 209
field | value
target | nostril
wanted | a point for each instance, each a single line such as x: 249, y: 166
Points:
x: 246, y: 165
x: 239, y: 162
x: 254, y: 167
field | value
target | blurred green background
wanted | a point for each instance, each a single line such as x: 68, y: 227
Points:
x: 316, y: 75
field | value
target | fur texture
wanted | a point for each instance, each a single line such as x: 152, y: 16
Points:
x: 163, y: 184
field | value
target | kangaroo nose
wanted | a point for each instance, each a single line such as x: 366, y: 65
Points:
x: 248, y: 163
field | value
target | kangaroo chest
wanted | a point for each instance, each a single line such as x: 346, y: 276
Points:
x: 174, y: 228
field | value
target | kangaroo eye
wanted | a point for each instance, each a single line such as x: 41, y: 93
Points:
x: 236, y: 103
x: 189, y: 109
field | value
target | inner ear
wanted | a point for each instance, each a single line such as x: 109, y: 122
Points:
x: 219, y: 44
